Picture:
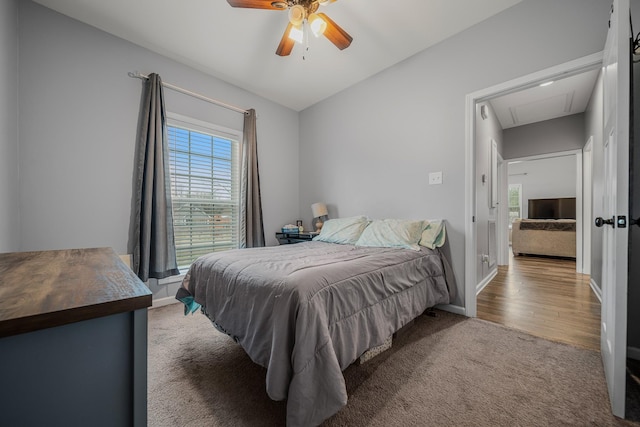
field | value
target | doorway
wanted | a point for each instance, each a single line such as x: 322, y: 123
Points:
x: 548, y: 186
x: 543, y: 152
x: 591, y: 64
x: 541, y: 289
x: 576, y: 67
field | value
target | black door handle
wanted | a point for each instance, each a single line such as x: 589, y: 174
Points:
x: 600, y: 222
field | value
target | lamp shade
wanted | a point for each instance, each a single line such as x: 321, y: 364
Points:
x: 319, y: 209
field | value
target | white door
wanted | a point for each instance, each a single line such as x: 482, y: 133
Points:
x: 616, y: 68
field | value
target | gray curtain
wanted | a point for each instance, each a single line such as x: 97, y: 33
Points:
x: 154, y: 251
x: 252, y: 228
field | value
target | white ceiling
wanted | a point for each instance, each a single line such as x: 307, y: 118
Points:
x: 562, y: 98
x: 238, y: 45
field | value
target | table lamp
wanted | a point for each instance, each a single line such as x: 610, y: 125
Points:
x: 320, y: 214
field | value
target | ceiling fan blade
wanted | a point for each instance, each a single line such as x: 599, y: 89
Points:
x: 335, y: 34
x: 258, y: 4
x: 286, y: 44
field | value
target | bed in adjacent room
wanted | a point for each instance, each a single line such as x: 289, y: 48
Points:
x: 307, y: 311
x: 549, y: 237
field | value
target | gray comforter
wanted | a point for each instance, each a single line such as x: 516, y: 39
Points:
x: 309, y: 310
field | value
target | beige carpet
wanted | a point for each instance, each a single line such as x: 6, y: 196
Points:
x: 444, y: 371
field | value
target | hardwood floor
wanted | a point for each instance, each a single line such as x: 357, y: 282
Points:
x: 544, y: 297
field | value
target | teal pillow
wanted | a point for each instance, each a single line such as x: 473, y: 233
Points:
x: 344, y: 231
x: 392, y: 233
x: 433, y: 235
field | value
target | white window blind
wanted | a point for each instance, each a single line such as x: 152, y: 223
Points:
x: 515, y: 202
x: 205, y: 181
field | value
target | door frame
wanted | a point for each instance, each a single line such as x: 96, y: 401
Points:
x: 580, y: 225
x: 502, y: 220
x: 567, y: 69
x: 587, y: 203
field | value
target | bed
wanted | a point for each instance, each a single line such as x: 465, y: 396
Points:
x: 549, y: 237
x: 307, y: 311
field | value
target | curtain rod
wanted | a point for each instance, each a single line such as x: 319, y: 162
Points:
x: 137, y: 75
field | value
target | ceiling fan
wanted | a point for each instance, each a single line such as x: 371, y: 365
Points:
x: 301, y: 12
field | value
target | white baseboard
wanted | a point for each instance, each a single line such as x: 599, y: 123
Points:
x: 455, y: 309
x: 161, y: 302
x: 480, y: 286
x: 596, y: 290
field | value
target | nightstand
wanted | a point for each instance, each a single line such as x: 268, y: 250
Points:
x: 289, y: 238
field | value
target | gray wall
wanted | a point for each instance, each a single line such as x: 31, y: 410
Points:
x: 77, y: 124
x: 544, y: 179
x: 594, y: 128
x: 374, y: 144
x: 550, y: 136
x: 486, y: 130
x: 9, y: 213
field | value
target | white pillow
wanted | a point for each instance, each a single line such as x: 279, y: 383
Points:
x: 345, y: 231
x: 393, y: 233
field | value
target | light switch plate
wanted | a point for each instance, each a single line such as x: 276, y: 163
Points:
x: 435, y: 178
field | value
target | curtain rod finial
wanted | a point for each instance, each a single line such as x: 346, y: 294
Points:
x: 137, y: 75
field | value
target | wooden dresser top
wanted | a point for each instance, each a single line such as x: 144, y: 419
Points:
x: 44, y: 289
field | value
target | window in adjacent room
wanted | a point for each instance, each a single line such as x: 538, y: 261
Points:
x: 205, y: 187
x: 515, y: 202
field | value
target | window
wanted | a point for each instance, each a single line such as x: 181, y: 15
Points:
x: 205, y: 184
x: 515, y: 202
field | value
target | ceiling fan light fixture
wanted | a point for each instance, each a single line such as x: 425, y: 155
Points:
x: 317, y: 24
x: 296, y: 34
x: 297, y: 14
